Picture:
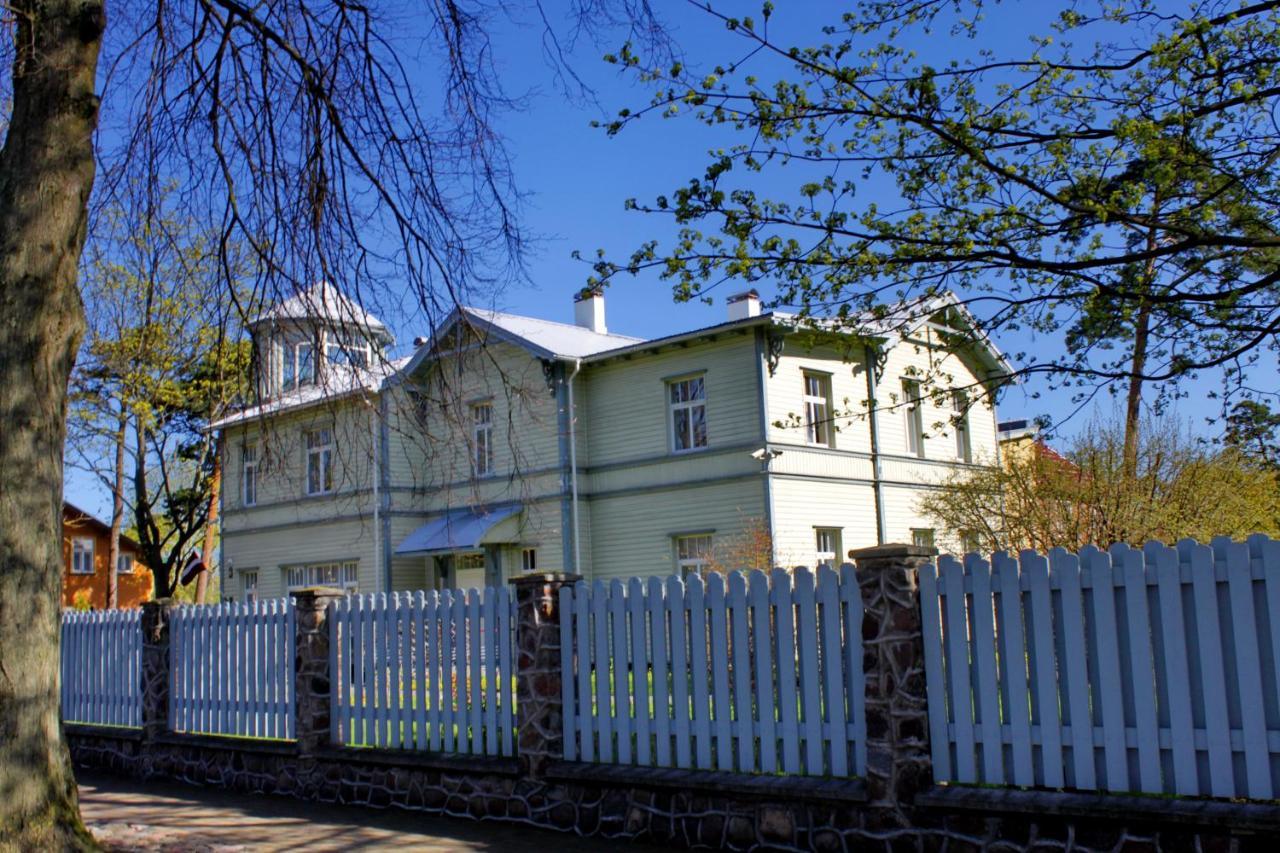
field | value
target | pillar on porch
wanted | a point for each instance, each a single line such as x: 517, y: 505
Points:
x: 539, y: 700
x: 897, y: 716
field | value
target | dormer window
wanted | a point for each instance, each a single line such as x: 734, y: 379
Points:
x: 299, y: 365
x: 347, y: 349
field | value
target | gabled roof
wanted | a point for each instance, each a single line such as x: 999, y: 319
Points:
x: 324, y: 303
x: 341, y: 381
x: 72, y: 514
x: 544, y: 338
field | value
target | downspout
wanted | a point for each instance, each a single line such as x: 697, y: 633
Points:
x: 877, y: 479
x: 376, y: 475
x: 573, y: 466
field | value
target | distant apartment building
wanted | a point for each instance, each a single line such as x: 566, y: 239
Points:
x: 508, y: 443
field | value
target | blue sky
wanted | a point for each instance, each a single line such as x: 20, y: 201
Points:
x: 576, y: 180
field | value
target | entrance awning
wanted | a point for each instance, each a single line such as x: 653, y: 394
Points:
x: 459, y: 530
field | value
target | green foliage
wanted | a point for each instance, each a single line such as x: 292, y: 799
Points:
x: 1120, y: 172
x: 1041, y: 499
x: 1253, y: 430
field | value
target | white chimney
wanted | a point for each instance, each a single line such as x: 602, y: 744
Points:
x: 588, y: 310
x: 744, y: 305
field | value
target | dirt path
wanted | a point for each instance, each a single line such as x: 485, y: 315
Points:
x: 127, y: 815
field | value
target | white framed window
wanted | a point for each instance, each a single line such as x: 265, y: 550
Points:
x: 482, y: 438
x: 82, y: 555
x: 298, y: 365
x: 343, y: 575
x: 969, y: 542
x: 529, y: 560
x: 124, y: 564
x: 818, y: 426
x: 249, y: 474
x: 914, y: 417
x: 249, y: 585
x: 347, y: 349
x: 688, y: 404
x: 960, y: 418
x: 693, y: 554
x: 827, y: 546
x: 319, y: 461
x: 922, y: 537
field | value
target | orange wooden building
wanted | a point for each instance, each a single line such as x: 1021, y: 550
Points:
x: 86, y: 548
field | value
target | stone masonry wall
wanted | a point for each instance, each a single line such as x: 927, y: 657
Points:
x: 896, y: 807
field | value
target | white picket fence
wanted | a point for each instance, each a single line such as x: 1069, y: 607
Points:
x: 102, y: 667
x: 425, y: 670
x: 754, y: 673
x: 231, y: 669
x: 1150, y: 670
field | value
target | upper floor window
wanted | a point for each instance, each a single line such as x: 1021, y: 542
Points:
x: 249, y: 471
x: 914, y: 416
x: 693, y: 554
x: 124, y: 564
x: 688, y: 402
x: 817, y: 408
x: 299, y: 365
x: 828, y: 545
x: 82, y: 555
x: 347, y: 349
x: 319, y: 461
x: 960, y: 418
x: 482, y: 438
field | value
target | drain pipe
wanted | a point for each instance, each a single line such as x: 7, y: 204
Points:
x: 573, y: 466
x: 876, y: 474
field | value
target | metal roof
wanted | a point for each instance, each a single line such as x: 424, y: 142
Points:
x: 459, y: 530
x: 324, y: 303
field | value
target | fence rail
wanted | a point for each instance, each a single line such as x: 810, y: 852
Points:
x: 1151, y: 670
x: 102, y: 667
x: 756, y: 674
x: 426, y: 670
x: 231, y: 669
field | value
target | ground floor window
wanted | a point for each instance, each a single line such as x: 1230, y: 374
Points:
x: 922, y: 537
x: 693, y: 554
x: 342, y: 575
x: 249, y: 585
x: 529, y: 559
x: 124, y: 564
x: 827, y: 545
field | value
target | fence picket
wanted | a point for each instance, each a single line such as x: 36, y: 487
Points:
x: 719, y: 668
x: 621, y: 669
x: 640, y: 672
x: 680, y: 713
x: 935, y: 684
x: 810, y: 687
x: 788, y: 717
x: 698, y: 671
x: 1177, y: 674
x: 478, y: 664
x: 764, y: 681
x: 661, y: 692
x: 831, y: 659
x: 742, y: 715
x: 955, y: 632
x: 603, y: 668
x: 586, y: 708
x: 1044, y: 685
x: 1240, y: 589
x: 987, y: 697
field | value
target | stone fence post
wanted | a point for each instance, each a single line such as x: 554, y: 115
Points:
x: 539, y: 700
x: 156, y: 617
x: 898, y: 759
x: 312, y: 680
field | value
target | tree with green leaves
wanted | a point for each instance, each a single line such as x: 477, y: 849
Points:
x: 1112, y: 185
x: 1083, y: 492
x: 1253, y: 429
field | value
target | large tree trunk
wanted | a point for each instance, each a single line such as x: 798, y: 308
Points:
x: 117, y: 513
x: 215, y: 495
x: 46, y: 174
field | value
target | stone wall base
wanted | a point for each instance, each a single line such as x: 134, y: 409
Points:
x: 657, y: 807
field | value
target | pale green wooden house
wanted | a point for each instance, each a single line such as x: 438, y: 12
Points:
x: 508, y: 443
